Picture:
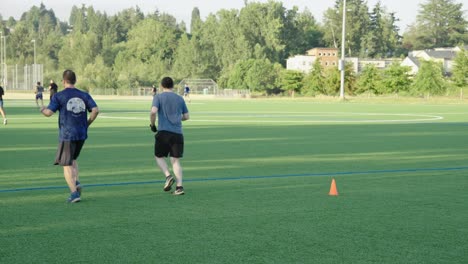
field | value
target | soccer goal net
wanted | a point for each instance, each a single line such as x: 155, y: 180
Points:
x: 198, y: 86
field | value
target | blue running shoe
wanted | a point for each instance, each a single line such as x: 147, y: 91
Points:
x: 74, y: 197
x: 78, y: 187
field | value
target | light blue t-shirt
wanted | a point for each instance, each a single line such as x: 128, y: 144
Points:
x: 171, y: 107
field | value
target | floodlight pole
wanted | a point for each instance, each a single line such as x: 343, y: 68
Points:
x: 34, y: 41
x: 342, y: 61
x: 34, y: 66
x: 5, y: 69
x: 1, y: 57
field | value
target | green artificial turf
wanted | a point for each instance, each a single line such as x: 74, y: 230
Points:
x: 257, y: 175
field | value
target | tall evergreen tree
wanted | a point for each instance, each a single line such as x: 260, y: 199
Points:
x: 383, y: 39
x: 196, y: 21
x: 357, y: 25
x: 440, y: 23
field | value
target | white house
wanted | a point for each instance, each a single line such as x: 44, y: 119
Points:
x: 411, y: 62
x: 359, y: 64
x: 445, y: 56
x: 303, y: 63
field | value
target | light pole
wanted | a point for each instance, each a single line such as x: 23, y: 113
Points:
x: 342, y: 61
x: 1, y: 57
x: 5, y: 67
x: 34, y: 41
x: 34, y: 70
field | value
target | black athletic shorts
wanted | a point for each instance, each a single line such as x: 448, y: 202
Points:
x: 168, y: 143
x: 67, y: 152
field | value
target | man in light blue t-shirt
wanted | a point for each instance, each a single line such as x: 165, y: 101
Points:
x: 169, y: 140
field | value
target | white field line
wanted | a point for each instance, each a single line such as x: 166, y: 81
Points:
x: 420, y: 118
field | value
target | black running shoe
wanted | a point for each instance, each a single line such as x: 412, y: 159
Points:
x: 179, y: 191
x: 169, y: 182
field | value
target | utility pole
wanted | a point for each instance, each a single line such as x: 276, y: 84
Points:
x: 342, y: 61
x: 5, y: 67
x: 1, y: 58
x: 34, y: 68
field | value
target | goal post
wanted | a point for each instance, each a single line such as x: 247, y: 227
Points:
x: 198, y: 86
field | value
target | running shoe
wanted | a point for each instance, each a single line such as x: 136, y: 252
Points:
x: 74, y: 197
x: 169, y: 182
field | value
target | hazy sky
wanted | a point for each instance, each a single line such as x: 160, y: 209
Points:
x: 406, y: 10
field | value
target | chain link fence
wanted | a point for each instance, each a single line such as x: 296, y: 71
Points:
x: 21, y: 77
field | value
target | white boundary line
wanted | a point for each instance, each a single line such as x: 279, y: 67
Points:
x: 421, y: 118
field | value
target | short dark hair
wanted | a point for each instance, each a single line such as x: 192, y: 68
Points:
x: 167, y: 82
x: 69, y: 76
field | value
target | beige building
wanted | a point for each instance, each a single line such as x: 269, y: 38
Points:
x: 328, y: 56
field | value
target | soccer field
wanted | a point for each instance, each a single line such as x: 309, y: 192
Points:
x: 256, y: 176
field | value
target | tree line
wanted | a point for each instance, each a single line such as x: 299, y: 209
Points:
x: 240, y: 49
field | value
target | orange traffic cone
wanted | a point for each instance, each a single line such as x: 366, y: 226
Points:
x: 333, y: 190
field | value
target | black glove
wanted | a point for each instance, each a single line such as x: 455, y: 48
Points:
x: 153, y: 128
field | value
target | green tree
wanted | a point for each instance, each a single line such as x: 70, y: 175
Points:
x: 196, y: 22
x: 460, y: 68
x: 263, y: 24
x: 291, y: 81
x: 430, y: 80
x: 357, y: 25
x: 224, y: 37
x: 124, y: 21
x: 332, y: 81
x: 78, y: 19
x: 184, y: 59
x: 396, y: 78
x: 370, y: 80
x: 383, y: 39
x: 301, y: 32
x: 236, y: 79
x: 261, y: 75
x: 20, y: 39
x: 314, y: 82
x: 78, y: 50
x: 440, y: 23
x: 350, y: 79
x: 97, y: 75
x: 151, y: 38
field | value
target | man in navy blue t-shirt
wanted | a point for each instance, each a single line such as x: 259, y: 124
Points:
x: 72, y: 105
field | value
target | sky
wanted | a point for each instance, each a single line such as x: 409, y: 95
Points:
x: 406, y: 10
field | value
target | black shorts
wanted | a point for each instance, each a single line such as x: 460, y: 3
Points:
x: 168, y: 143
x: 67, y: 152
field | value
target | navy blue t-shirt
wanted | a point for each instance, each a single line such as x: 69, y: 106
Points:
x: 73, y: 120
